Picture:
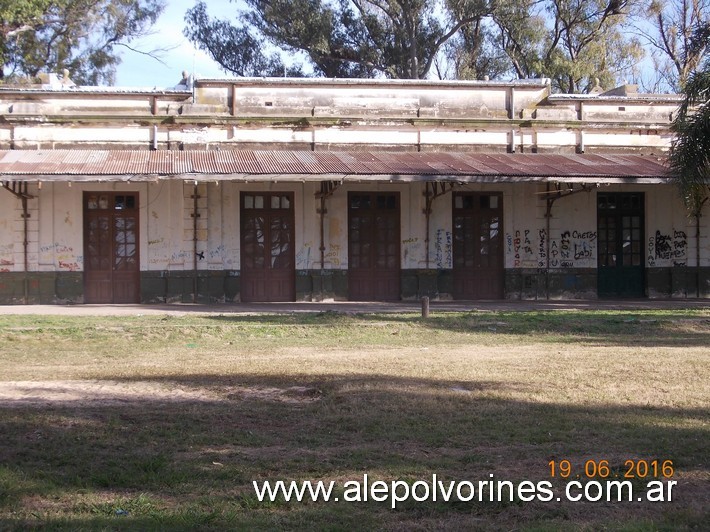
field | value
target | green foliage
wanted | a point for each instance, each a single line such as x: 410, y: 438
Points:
x: 16, y: 18
x: 570, y: 41
x: 78, y: 35
x: 341, y: 38
x: 689, y: 158
x: 474, y: 52
x: 15, y: 15
x: 671, y: 42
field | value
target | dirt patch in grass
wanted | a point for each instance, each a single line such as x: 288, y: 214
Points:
x: 121, y: 424
x: 112, y: 393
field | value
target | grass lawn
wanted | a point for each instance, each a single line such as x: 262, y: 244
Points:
x: 163, y: 422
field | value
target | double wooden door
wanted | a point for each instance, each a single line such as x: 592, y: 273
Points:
x: 111, y: 247
x: 267, y: 247
x: 374, y: 246
x: 620, y: 258
x: 478, y: 245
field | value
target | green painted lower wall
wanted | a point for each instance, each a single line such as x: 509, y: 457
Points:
x: 179, y: 286
x: 321, y: 285
x: 224, y: 286
x: 686, y: 281
x: 41, y: 288
x: 567, y: 283
x: 435, y: 284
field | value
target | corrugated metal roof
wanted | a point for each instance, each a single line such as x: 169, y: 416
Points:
x: 98, y: 165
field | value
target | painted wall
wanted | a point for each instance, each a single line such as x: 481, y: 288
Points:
x: 336, y: 114
x: 55, y: 230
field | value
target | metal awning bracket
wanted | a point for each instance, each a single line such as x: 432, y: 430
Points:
x: 435, y: 189
x: 17, y: 189
x: 327, y: 188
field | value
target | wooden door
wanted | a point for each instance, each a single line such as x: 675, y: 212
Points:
x: 268, y: 261
x: 111, y: 254
x: 620, y: 258
x: 478, y: 245
x: 374, y: 246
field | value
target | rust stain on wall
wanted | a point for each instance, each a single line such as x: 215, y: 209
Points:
x: 335, y: 230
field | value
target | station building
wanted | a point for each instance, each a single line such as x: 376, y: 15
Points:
x: 228, y: 190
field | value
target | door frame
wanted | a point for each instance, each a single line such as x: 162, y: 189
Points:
x: 268, y: 211
x: 112, y: 211
x: 476, y: 210
x: 397, y: 269
x: 619, y: 274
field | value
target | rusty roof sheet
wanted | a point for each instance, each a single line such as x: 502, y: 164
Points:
x: 106, y: 165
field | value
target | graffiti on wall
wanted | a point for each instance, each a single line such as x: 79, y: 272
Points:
x: 411, y: 248
x: 64, y: 256
x: 573, y: 249
x: 542, y: 250
x: 216, y: 252
x: 523, y: 249
x: 158, y: 252
x: 666, y: 249
x: 443, y: 249
x: 303, y: 256
x: 7, y: 257
x: 680, y: 248
x: 333, y: 255
x: 520, y: 246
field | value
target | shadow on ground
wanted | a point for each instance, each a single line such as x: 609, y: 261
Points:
x: 147, y: 464
x: 648, y: 329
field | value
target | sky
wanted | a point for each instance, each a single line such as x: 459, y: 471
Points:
x: 138, y: 70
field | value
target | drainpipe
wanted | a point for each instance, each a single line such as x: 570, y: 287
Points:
x: 321, y: 248
x: 552, y: 196
x: 432, y: 190
x: 427, y: 213
x: 25, y: 244
x: 327, y: 188
x: 195, y: 216
x: 19, y: 190
x: 548, y: 216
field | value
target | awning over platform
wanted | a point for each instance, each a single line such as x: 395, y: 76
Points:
x: 356, y: 166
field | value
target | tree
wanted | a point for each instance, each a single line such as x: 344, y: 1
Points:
x: 16, y: 18
x: 570, y: 41
x: 669, y: 37
x: 81, y: 36
x: 473, y: 52
x: 689, y: 158
x: 337, y: 38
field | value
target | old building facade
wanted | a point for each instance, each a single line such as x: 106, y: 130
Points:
x: 310, y: 189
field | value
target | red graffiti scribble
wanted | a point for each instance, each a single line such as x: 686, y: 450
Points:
x: 71, y: 266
